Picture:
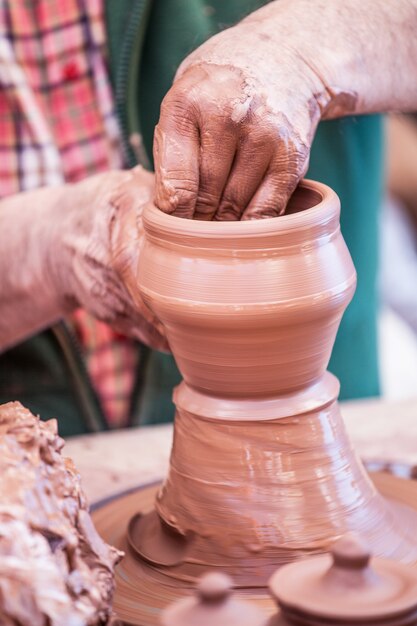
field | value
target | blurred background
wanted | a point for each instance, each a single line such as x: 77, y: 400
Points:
x: 398, y: 269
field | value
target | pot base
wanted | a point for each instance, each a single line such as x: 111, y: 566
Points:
x: 141, y: 591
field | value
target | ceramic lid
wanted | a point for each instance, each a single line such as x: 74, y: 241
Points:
x: 348, y: 586
x: 213, y: 604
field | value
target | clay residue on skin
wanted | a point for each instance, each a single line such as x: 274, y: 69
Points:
x: 82, y: 242
x: 55, y: 570
x: 214, y: 121
x: 303, y: 69
x: 264, y: 117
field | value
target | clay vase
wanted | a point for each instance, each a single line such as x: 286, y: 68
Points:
x: 251, y: 309
x: 262, y: 471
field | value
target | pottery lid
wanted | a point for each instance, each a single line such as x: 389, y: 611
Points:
x: 347, y: 586
x: 213, y: 604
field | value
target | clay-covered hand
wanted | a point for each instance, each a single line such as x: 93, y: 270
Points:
x: 102, y: 248
x: 236, y: 128
x: 76, y: 246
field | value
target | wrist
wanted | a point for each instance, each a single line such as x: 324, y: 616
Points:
x: 58, y: 269
x: 355, y: 47
x: 319, y: 55
x: 271, y: 51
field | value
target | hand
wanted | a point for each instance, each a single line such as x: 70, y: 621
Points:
x: 235, y: 130
x: 72, y: 246
x: 98, y: 250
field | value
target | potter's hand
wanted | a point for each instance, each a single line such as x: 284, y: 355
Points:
x: 75, y: 246
x: 236, y: 128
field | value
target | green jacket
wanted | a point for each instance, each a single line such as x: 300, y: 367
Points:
x: 147, y: 40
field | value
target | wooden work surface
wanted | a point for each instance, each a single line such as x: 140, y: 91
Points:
x: 113, y: 462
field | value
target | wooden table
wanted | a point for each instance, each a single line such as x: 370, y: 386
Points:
x: 113, y: 462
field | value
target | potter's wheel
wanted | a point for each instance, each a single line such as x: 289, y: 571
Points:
x: 140, y: 595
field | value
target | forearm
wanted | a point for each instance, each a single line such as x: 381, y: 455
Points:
x: 364, y: 52
x: 28, y: 297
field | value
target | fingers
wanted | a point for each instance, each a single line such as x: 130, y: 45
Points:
x: 152, y: 338
x: 124, y: 302
x: 195, y: 143
x: 270, y: 198
x: 150, y: 331
x: 176, y: 154
x: 250, y: 165
x: 218, y: 148
x: 221, y: 152
x: 288, y: 166
x: 142, y: 325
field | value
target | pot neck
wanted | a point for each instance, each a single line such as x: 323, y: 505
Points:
x: 313, y: 214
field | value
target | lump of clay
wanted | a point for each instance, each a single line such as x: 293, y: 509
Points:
x: 55, y: 570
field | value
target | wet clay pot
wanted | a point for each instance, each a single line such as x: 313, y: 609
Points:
x: 251, y: 308
x: 262, y: 471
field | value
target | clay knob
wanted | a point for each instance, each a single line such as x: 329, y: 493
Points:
x: 213, y: 604
x: 350, y: 552
x: 214, y: 587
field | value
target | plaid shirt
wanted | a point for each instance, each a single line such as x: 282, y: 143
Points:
x: 57, y: 123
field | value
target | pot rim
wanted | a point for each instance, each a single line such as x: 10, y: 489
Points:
x: 318, y: 216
